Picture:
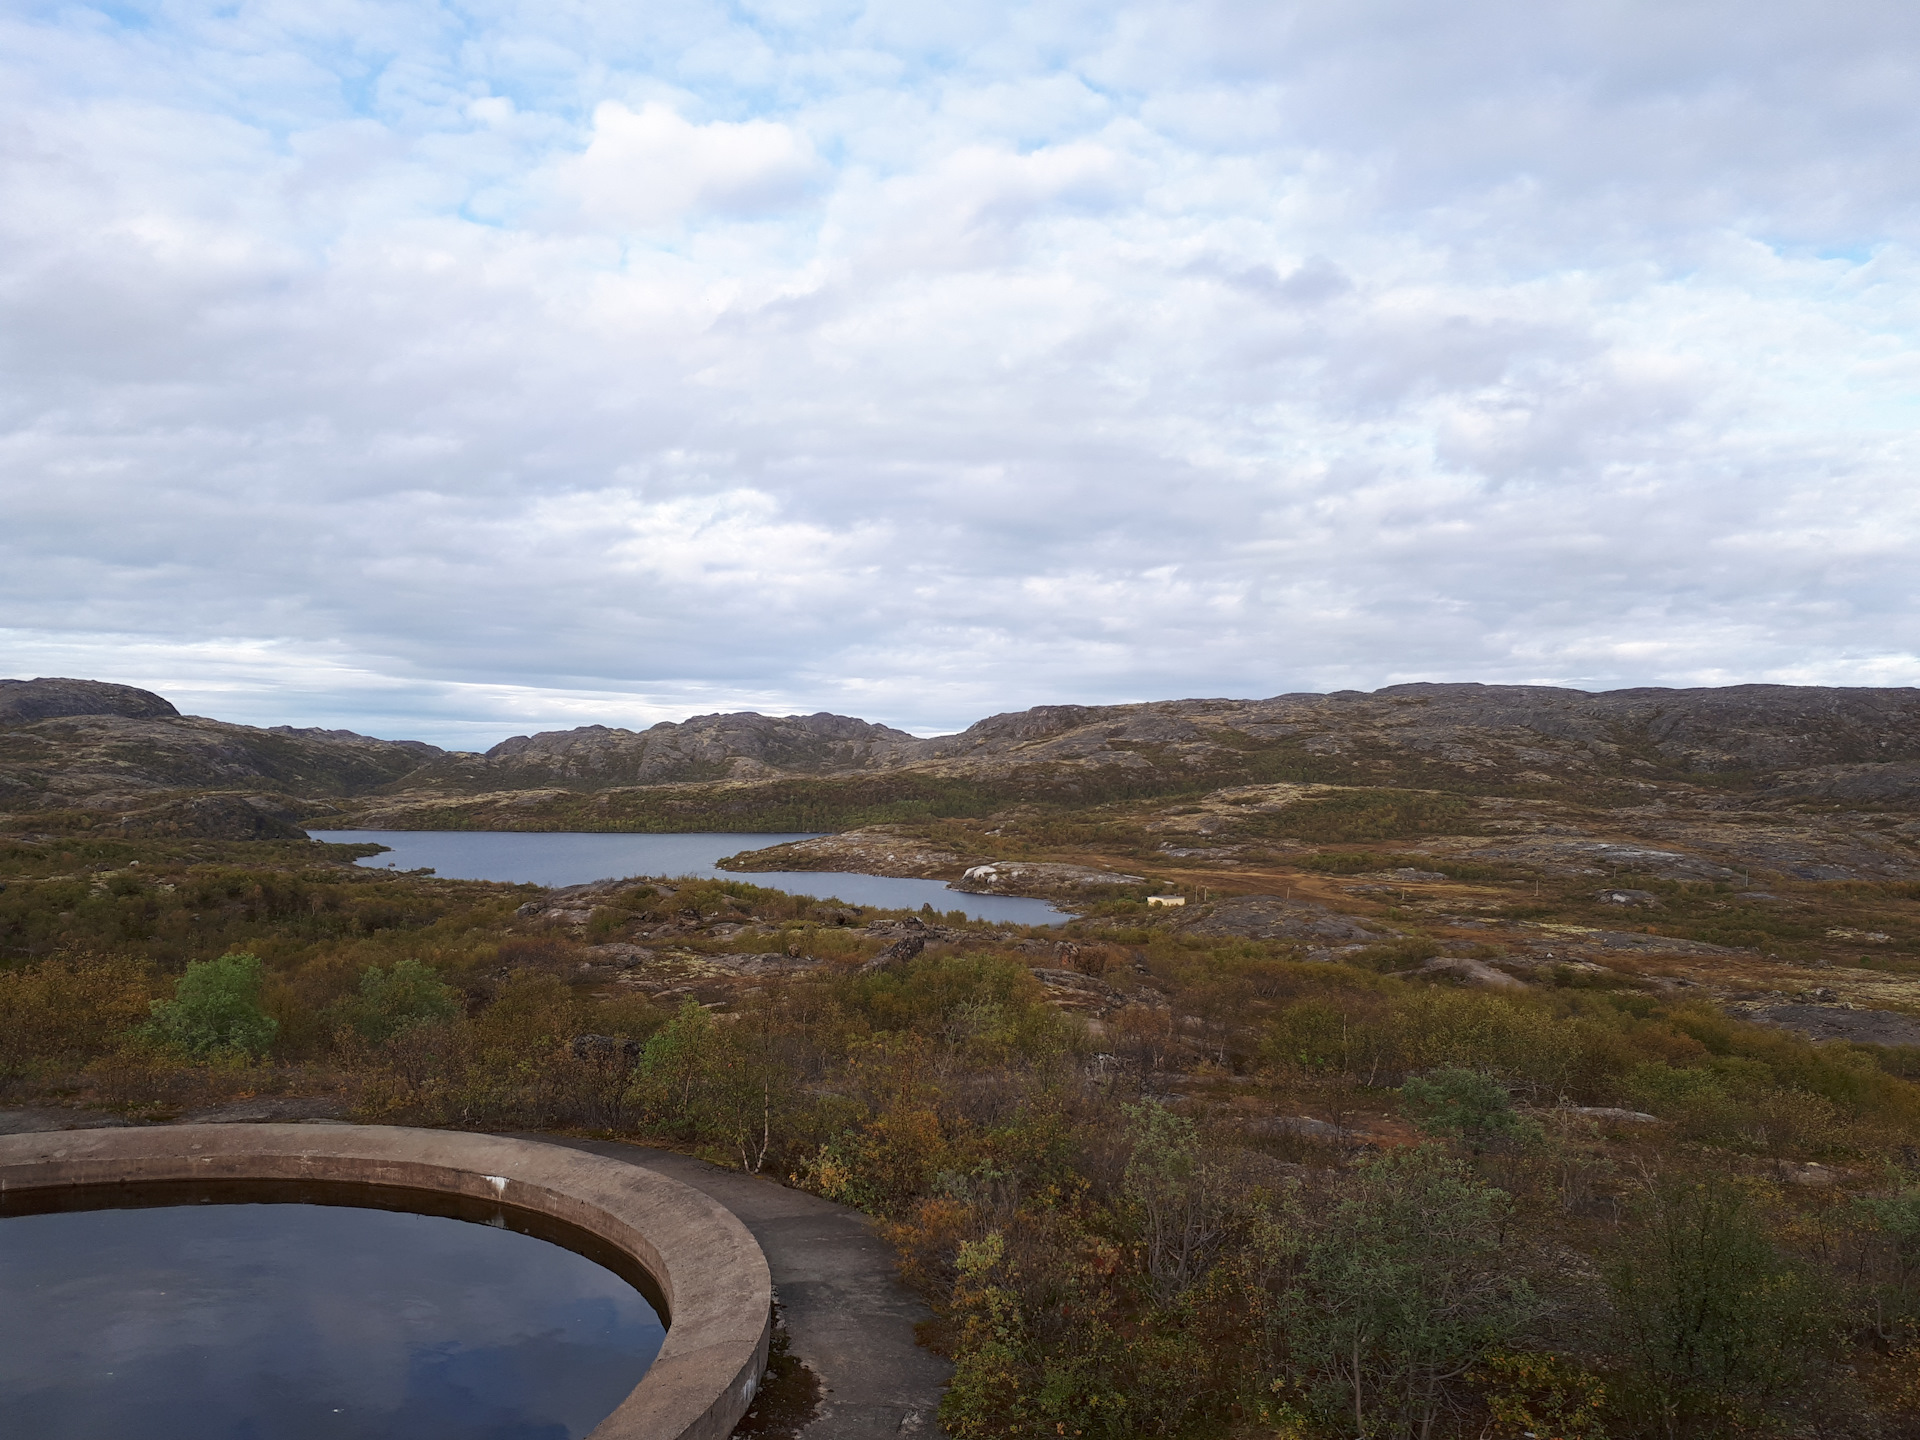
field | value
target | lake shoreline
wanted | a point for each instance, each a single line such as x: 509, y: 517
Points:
x: 556, y: 859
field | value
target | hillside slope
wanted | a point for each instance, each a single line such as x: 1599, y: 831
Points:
x: 85, y: 746
x: 79, y: 744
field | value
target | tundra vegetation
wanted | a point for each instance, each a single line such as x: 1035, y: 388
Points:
x: 1520, y: 1063
x: 1153, y: 1181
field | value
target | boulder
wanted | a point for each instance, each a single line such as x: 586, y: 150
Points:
x: 897, y: 953
x: 605, y: 1049
x: 1469, y: 972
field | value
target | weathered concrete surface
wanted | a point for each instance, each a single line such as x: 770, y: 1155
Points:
x: 712, y: 1274
x: 847, y: 1314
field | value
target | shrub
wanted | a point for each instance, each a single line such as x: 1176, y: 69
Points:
x: 1405, y: 1290
x: 714, y: 1084
x: 1463, y: 1104
x: 216, y: 1008
x: 64, y: 1011
x: 1717, y: 1321
x: 1531, y: 1396
x: 1345, y: 817
x: 390, y: 1001
x: 1178, y: 1193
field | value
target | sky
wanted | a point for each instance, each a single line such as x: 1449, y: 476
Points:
x: 453, y: 370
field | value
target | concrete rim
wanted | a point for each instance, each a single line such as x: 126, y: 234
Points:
x: 712, y: 1274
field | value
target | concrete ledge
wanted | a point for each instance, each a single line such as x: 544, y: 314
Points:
x: 709, y: 1270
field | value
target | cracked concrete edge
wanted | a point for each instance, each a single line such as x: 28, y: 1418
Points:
x: 715, y: 1280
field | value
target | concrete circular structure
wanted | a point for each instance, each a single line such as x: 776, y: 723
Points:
x: 709, y: 1271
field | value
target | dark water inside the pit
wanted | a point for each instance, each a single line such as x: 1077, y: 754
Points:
x: 573, y: 858
x: 307, y: 1322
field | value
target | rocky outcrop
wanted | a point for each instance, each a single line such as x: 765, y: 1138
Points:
x: 742, y: 746
x: 1467, y: 971
x: 1032, y: 877
x: 1084, y: 994
x: 1557, y: 855
x: 1269, y: 917
x: 871, y: 850
x: 1635, y: 899
x: 895, y: 955
x: 77, y: 745
x: 24, y: 701
x: 1839, y: 1022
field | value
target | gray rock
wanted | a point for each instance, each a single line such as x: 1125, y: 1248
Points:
x: 897, y: 953
x: 1024, y: 876
x: 1269, y: 917
x: 1833, y: 1022
x: 270, y: 1109
x: 607, y: 1049
x: 38, y: 1119
x: 24, y: 701
x: 764, y: 963
x: 621, y: 956
x: 1083, y: 987
x: 1469, y: 972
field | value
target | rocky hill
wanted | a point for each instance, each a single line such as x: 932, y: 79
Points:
x: 24, y: 701
x: 827, y: 772
x: 85, y: 746
x: 706, y: 747
x: 1471, y: 729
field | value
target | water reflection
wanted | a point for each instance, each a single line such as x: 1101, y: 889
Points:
x: 308, y: 1322
x: 573, y: 858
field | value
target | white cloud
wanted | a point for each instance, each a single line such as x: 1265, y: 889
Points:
x: 364, y: 363
x: 648, y: 169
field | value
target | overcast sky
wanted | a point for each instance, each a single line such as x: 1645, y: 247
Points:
x: 452, y: 370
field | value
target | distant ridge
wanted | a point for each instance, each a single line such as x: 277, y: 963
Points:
x: 90, y: 746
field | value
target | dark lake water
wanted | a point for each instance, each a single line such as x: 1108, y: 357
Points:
x: 293, y: 1321
x: 549, y: 858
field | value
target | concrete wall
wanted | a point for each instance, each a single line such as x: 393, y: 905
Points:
x: 709, y: 1270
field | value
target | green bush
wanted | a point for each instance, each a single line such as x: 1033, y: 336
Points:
x: 1719, y: 1324
x: 1404, y: 1289
x: 1463, y: 1104
x: 215, y: 1009
x: 390, y: 1001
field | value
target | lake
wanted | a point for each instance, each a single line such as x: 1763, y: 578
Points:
x: 574, y: 858
x: 307, y: 1322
